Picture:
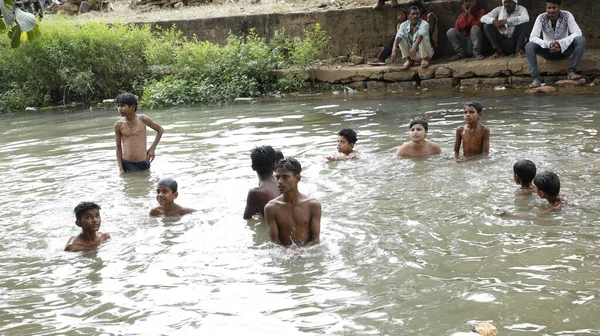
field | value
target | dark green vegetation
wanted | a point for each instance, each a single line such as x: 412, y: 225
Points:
x: 87, y: 63
x: 19, y: 24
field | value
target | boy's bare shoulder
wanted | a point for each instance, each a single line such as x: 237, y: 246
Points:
x: 155, y: 211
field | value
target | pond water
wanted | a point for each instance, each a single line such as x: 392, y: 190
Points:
x: 409, y: 247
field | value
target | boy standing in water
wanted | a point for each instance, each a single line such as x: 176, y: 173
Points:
x: 166, y: 193
x: 87, y: 215
x: 345, y: 145
x: 523, y: 174
x: 293, y: 218
x: 474, y: 137
x: 547, y: 186
x: 263, y: 159
x: 418, y: 146
x: 130, y: 135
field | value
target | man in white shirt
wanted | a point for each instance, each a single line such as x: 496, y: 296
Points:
x: 507, y: 28
x: 555, y: 35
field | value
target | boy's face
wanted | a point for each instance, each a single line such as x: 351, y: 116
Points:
x: 125, y: 110
x: 286, y: 180
x: 90, y: 220
x: 343, y: 146
x: 417, y: 132
x: 164, y: 195
x: 471, y: 115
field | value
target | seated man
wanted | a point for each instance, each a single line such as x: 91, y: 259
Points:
x: 414, y: 41
x: 467, y: 35
x: 555, y: 35
x: 507, y: 28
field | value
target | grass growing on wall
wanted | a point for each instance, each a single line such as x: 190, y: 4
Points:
x: 95, y: 61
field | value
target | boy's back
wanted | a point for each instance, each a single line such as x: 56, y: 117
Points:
x: 259, y: 197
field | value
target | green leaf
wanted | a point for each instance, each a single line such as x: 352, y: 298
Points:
x: 7, y: 14
x: 2, y: 26
x: 34, y: 33
x: 25, y: 20
x: 15, y: 36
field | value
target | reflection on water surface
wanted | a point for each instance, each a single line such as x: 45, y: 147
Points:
x: 408, y: 247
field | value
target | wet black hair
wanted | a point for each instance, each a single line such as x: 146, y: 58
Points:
x: 84, y: 206
x: 127, y: 98
x: 290, y: 164
x: 278, y: 156
x: 420, y: 121
x: 476, y: 105
x: 558, y: 2
x: 169, y: 182
x: 263, y: 159
x: 547, y: 182
x: 525, y: 170
x: 349, y: 134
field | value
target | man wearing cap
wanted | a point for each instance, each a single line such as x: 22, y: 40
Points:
x: 507, y: 28
x: 555, y: 35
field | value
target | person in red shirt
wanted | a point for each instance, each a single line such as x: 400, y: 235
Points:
x: 467, y: 35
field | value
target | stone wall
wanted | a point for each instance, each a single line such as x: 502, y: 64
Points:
x: 360, y: 31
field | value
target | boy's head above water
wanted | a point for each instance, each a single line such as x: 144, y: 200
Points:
x: 264, y: 159
x: 547, y: 184
x: 524, y: 172
x: 166, y: 191
x: 346, y: 140
x: 477, y: 106
x: 127, y: 98
x: 419, y: 121
x: 472, y: 112
x: 84, y: 207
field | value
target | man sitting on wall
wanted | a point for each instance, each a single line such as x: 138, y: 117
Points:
x: 413, y: 39
x: 507, y: 28
x: 555, y: 35
x: 467, y: 36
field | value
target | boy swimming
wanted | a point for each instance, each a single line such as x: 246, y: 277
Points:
x: 345, y: 145
x: 87, y: 217
x: 166, y: 193
x: 418, y: 146
x: 130, y: 135
x: 474, y: 137
x: 523, y: 174
x: 547, y: 186
x: 293, y: 219
x: 263, y: 159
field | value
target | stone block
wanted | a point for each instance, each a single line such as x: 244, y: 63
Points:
x: 357, y: 60
x: 342, y: 59
x: 483, y: 82
x: 399, y: 76
x: 443, y: 71
x: 519, y: 80
x: 359, y: 78
x: 427, y: 73
x: 376, y: 86
x: 358, y: 85
x: 402, y: 86
x: 518, y: 66
x: 438, y: 83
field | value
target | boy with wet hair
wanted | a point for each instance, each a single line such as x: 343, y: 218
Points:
x: 474, y: 137
x: 263, y: 159
x: 293, y: 219
x: 345, y: 145
x: 87, y: 215
x: 418, y: 146
x: 130, y: 135
x: 523, y: 173
x: 547, y: 186
x: 166, y: 193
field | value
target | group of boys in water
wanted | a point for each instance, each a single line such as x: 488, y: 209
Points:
x: 555, y: 35
x: 293, y: 219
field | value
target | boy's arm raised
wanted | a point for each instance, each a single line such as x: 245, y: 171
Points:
x: 159, y: 132
x: 118, y: 140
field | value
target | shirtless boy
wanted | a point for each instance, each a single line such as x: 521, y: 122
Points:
x: 547, y: 186
x: 418, y: 146
x: 166, y: 193
x: 87, y: 215
x: 130, y: 135
x: 523, y: 174
x: 263, y: 159
x: 293, y: 218
x: 345, y: 145
x: 475, y: 138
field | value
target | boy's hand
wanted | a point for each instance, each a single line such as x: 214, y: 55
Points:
x: 330, y: 158
x: 150, y: 155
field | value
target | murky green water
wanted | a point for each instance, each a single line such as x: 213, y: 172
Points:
x: 408, y: 247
